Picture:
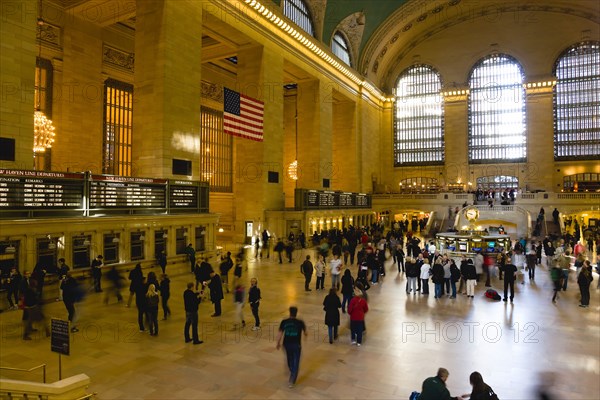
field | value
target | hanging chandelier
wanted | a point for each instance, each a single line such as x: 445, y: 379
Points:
x: 43, y: 132
x: 292, y: 170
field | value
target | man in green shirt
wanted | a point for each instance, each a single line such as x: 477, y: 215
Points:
x: 434, y: 388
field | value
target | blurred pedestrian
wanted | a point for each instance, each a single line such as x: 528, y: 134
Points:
x: 254, y: 300
x: 331, y: 306
x: 290, y: 330
x: 165, y: 293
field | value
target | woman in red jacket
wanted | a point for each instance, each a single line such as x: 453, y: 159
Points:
x: 357, y: 309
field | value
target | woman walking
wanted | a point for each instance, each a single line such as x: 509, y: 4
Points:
x: 152, y: 309
x: 331, y: 305
x: 584, y: 280
x: 347, y: 289
x: 357, y: 309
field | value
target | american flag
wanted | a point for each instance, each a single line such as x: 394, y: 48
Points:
x: 243, y: 116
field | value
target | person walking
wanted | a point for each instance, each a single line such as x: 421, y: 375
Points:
x: 434, y: 388
x: 254, y: 300
x: 115, y: 278
x: 136, y: 276
x: 470, y: 274
x: 320, y: 272
x: 347, y: 289
x: 165, y: 293
x: 555, y: 276
x: 584, y: 280
x: 238, y: 297
x: 71, y: 294
x: 335, y: 267
x: 357, y: 309
x: 216, y: 292
x: 331, y: 305
x: 96, y: 268
x: 191, y: 301
x: 191, y: 256
x: 152, y: 301
x: 424, y: 276
x: 162, y: 261
x: 307, y: 270
x: 290, y: 330
x: 510, y: 275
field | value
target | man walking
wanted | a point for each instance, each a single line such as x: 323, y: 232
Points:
x: 96, y: 268
x: 510, y: 274
x: 290, y: 331
x: 191, y: 300
x: 307, y: 270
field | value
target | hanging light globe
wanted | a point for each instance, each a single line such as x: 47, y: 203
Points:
x: 43, y: 132
x: 292, y: 170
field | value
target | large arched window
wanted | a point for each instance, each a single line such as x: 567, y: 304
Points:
x: 419, y: 118
x: 577, y: 103
x: 298, y: 12
x: 340, y: 47
x: 497, y: 129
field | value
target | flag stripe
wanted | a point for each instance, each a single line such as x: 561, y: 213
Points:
x: 243, y: 116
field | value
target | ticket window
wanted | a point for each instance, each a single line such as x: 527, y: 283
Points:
x: 9, y: 257
x: 46, y: 253
x: 200, y: 238
x: 137, y: 245
x: 81, y: 251
x: 160, y: 242
x: 111, y: 248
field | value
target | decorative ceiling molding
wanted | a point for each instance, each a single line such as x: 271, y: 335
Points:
x: 49, y: 35
x: 118, y: 58
x: 353, y: 27
x: 212, y: 91
x: 398, y: 57
x: 317, y: 9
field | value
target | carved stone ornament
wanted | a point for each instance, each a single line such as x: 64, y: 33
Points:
x: 118, y: 58
x: 212, y: 91
x: 49, y: 34
x: 354, y: 31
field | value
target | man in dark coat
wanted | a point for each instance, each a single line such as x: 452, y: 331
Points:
x: 96, y: 269
x: 307, y: 270
x: 216, y: 292
x: 191, y: 255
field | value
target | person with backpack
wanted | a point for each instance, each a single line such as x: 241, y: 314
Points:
x: 434, y: 388
x: 438, y: 278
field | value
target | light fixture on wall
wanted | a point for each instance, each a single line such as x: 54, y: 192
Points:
x: 165, y: 235
x: 10, y: 249
x: 86, y: 242
x: 43, y: 129
x: 51, y: 246
x: 142, y: 238
x: 116, y: 240
x: 221, y: 230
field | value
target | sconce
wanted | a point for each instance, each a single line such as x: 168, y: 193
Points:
x: 221, y: 230
x: 86, y: 242
x: 142, y: 238
x: 165, y: 235
x: 10, y: 249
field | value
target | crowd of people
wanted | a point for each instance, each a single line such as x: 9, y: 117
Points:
x: 336, y: 252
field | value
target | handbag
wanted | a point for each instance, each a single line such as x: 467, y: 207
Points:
x: 493, y: 396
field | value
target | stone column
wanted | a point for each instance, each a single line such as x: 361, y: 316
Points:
x: 17, y: 62
x: 166, y: 115
x: 315, y: 155
x: 260, y: 76
x: 539, y: 170
x: 456, y: 143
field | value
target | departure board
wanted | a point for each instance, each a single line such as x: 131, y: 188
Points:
x: 31, y: 190
x: 184, y: 194
x: 108, y: 191
x: 325, y: 199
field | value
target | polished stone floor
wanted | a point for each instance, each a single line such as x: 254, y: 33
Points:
x: 408, y: 338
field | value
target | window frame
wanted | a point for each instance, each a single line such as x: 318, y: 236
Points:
x: 471, y: 107
x: 216, y: 151
x: 417, y: 132
x: 117, y: 150
x: 343, y: 45
x: 293, y: 9
x: 568, y: 140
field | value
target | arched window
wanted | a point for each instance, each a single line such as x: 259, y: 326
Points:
x: 497, y: 128
x: 497, y: 182
x: 340, y: 47
x: 577, y: 103
x: 419, y: 118
x: 298, y: 12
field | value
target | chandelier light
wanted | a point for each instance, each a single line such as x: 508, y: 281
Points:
x: 293, y: 170
x: 43, y: 132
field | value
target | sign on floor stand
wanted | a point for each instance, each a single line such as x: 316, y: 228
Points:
x: 60, y: 340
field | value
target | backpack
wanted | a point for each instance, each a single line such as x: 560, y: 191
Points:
x: 492, y: 294
x: 414, y: 396
x: 454, y: 273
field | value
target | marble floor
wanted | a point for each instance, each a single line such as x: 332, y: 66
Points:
x: 408, y: 338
